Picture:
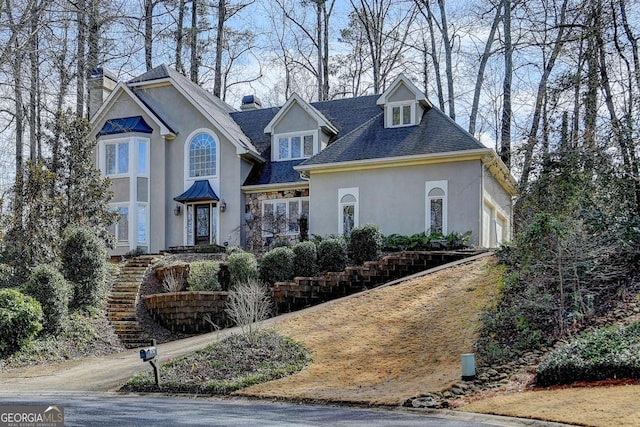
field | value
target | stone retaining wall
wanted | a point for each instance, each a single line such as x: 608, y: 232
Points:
x: 185, y: 311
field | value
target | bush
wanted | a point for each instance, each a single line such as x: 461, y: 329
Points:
x: 332, y: 254
x: 243, y: 266
x: 599, y: 355
x: 305, y: 261
x: 52, y: 291
x: 365, y: 243
x: 7, y: 278
x: 134, y: 253
x: 84, y: 266
x: 234, y: 249
x: 20, y: 320
x: 249, y: 302
x: 277, y: 265
x: 203, y: 276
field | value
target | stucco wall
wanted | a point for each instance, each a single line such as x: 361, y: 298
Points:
x: 296, y: 120
x: 395, y: 198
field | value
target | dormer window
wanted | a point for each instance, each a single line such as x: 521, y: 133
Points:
x: 295, y: 146
x: 402, y: 114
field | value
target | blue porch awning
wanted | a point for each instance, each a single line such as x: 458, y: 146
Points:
x: 125, y: 125
x: 200, y: 191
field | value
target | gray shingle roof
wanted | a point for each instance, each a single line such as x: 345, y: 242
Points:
x: 436, y: 133
x: 361, y: 132
x: 214, y: 106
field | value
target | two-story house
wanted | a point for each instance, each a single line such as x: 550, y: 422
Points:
x: 188, y: 169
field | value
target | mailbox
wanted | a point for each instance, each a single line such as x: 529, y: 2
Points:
x: 148, y: 353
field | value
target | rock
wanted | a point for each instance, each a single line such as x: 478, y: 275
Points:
x: 447, y: 395
x: 425, y: 402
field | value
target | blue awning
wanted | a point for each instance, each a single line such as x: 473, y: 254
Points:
x: 125, y: 125
x: 198, y: 192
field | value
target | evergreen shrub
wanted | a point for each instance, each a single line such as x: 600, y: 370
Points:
x: 52, y: 291
x: 84, y: 265
x: 332, y: 254
x: 277, y: 265
x: 305, y: 261
x: 20, y: 320
x: 203, y: 276
x: 365, y: 243
x: 243, y: 267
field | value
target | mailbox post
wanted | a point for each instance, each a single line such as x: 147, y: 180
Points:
x: 149, y: 355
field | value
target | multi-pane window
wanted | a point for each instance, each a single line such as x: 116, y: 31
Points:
x: 295, y: 147
x: 347, y: 210
x: 202, y: 156
x: 143, y: 157
x: 121, y: 228
x: 281, y: 216
x: 142, y: 224
x: 436, y: 221
x: 116, y: 158
x: 401, y: 115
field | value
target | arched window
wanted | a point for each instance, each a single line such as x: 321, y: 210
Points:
x: 347, y: 210
x: 202, y: 156
x: 436, y: 218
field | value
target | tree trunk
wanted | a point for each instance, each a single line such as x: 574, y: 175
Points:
x: 195, y: 61
x: 540, y: 96
x: 505, y: 132
x: 80, y: 54
x: 34, y: 111
x: 319, y: 4
x: 448, y: 59
x: 484, y: 59
x: 19, y: 119
x: 148, y: 33
x: 222, y: 17
x: 179, y: 36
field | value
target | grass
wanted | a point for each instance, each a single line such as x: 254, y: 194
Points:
x: 228, y: 365
x: 389, y: 344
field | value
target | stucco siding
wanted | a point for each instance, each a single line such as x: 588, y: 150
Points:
x: 296, y: 120
x: 403, y: 93
x: 395, y: 198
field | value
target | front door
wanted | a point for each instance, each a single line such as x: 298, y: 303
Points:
x: 203, y: 225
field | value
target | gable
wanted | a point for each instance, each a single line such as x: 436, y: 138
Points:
x: 296, y: 119
x: 121, y: 104
x: 401, y: 93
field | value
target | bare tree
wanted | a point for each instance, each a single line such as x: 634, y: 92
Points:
x: 247, y: 303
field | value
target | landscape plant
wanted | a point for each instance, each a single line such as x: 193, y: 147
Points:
x: 203, y: 276
x: 612, y: 352
x: 53, y: 292
x: 243, y: 266
x: 365, y: 243
x: 20, y: 320
x: 277, y: 265
x: 332, y: 254
x: 249, y: 302
x: 84, y: 258
x: 305, y: 261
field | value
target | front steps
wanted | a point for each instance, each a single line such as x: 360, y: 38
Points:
x: 122, y: 301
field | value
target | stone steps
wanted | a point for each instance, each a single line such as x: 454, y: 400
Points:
x: 121, y: 302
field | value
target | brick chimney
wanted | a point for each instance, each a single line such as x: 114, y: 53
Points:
x: 100, y: 84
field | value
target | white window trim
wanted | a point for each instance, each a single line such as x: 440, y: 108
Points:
x: 214, y: 232
x: 286, y: 201
x: 187, y: 144
x: 123, y: 243
x: 103, y: 155
x: 275, y: 144
x: 146, y: 223
x: 389, y: 108
x: 355, y: 192
x: 430, y: 185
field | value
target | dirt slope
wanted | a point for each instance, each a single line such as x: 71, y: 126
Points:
x: 410, y: 343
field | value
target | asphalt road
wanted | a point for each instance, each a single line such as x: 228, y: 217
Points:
x: 107, y: 409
